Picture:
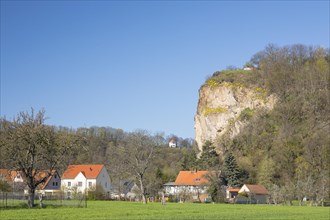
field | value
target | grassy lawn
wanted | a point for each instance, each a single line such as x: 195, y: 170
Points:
x: 171, y: 211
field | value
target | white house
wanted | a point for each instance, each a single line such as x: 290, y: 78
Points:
x: 172, y: 143
x: 79, y: 179
x: 189, y: 185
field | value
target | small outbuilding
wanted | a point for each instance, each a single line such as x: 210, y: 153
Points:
x: 253, y: 194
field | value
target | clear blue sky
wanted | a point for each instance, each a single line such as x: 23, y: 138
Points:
x: 137, y: 64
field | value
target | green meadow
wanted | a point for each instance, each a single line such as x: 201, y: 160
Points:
x: 170, y: 211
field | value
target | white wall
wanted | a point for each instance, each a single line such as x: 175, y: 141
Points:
x: 103, y: 179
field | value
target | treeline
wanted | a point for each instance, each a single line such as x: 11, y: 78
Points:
x: 29, y: 145
x: 286, y: 149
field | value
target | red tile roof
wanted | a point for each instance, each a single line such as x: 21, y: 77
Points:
x: 90, y: 171
x: 233, y: 189
x: 257, y: 189
x: 191, y: 178
x: 7, y: 175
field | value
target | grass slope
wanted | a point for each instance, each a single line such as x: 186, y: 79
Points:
x: 127, y: 210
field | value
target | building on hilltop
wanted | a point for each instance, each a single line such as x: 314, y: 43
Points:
x: 172, y: 143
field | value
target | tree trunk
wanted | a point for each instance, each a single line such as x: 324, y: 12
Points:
x: 143, y: 192
x: 31, y: 197
x: 40, y: 200
x: 163, y: 198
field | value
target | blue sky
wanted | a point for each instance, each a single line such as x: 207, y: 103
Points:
x: 137, y: 64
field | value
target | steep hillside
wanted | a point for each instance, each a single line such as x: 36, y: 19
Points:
x: 274, y: 119
x: 224, y: 107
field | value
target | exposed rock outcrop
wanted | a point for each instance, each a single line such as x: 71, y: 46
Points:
x: 222, y: 109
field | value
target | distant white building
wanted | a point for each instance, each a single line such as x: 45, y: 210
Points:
x: 248, y: 68
x: 172, y: 143
x: 79, y: 179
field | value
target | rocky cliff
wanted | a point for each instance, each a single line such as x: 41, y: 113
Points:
x: 224, y: 107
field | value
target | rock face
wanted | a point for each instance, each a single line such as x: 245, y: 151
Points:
x: 221, y: 109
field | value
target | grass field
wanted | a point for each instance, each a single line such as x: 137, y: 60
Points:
x: 171, y: 211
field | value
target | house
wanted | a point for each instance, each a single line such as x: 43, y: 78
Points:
x: 17, y: 180
x: 11, y: 176
x: 255, y: 194
x: 231, y: 193
x: 52, y: 183
x: 79, y: 179
x: 172, y: 143
x: 170, y: 188
x: 130, y: 190
x: 189, y: 185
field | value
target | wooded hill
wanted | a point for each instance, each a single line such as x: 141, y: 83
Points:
x: 286, y: 149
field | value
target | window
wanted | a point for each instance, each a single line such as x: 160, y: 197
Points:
x: 89, y: 184
x: 55, y: 176
x: 69, y: 183
x: 56, y: 183
x: 79, y: 183
x: 53, y: 183
x: 106, y: 185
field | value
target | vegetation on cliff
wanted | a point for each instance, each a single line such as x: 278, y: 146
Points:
x: 286, y: 149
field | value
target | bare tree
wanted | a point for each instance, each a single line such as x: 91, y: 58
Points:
x: 31, y: 147
x: 139, y: 155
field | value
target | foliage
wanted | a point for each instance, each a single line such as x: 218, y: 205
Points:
x: 231, y: 171
x: 287, y: 147
x: 209, y: 159
x: 246, y: 114
x: 209, y: 111
x: 4, y: 186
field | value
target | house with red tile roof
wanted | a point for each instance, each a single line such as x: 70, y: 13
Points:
x: 256, y: 194
x: 11, y: 176
x: 17, y: 181
x: 85, y: 177
x: 189, y: 185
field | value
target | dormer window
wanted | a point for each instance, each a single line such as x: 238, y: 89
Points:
x: 197, y: 179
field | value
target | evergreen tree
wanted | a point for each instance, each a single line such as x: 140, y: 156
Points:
x: 231, y: 171
x: 209, y: 159
x: 189, y: 161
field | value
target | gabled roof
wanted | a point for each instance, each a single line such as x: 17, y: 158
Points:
x: 191, y: 178
x: 90, y: 171
x: 9, y: 176
x: 257, y: 189
x: 43, y: 174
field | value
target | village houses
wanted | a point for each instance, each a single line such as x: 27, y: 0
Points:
x: 16, y: 180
